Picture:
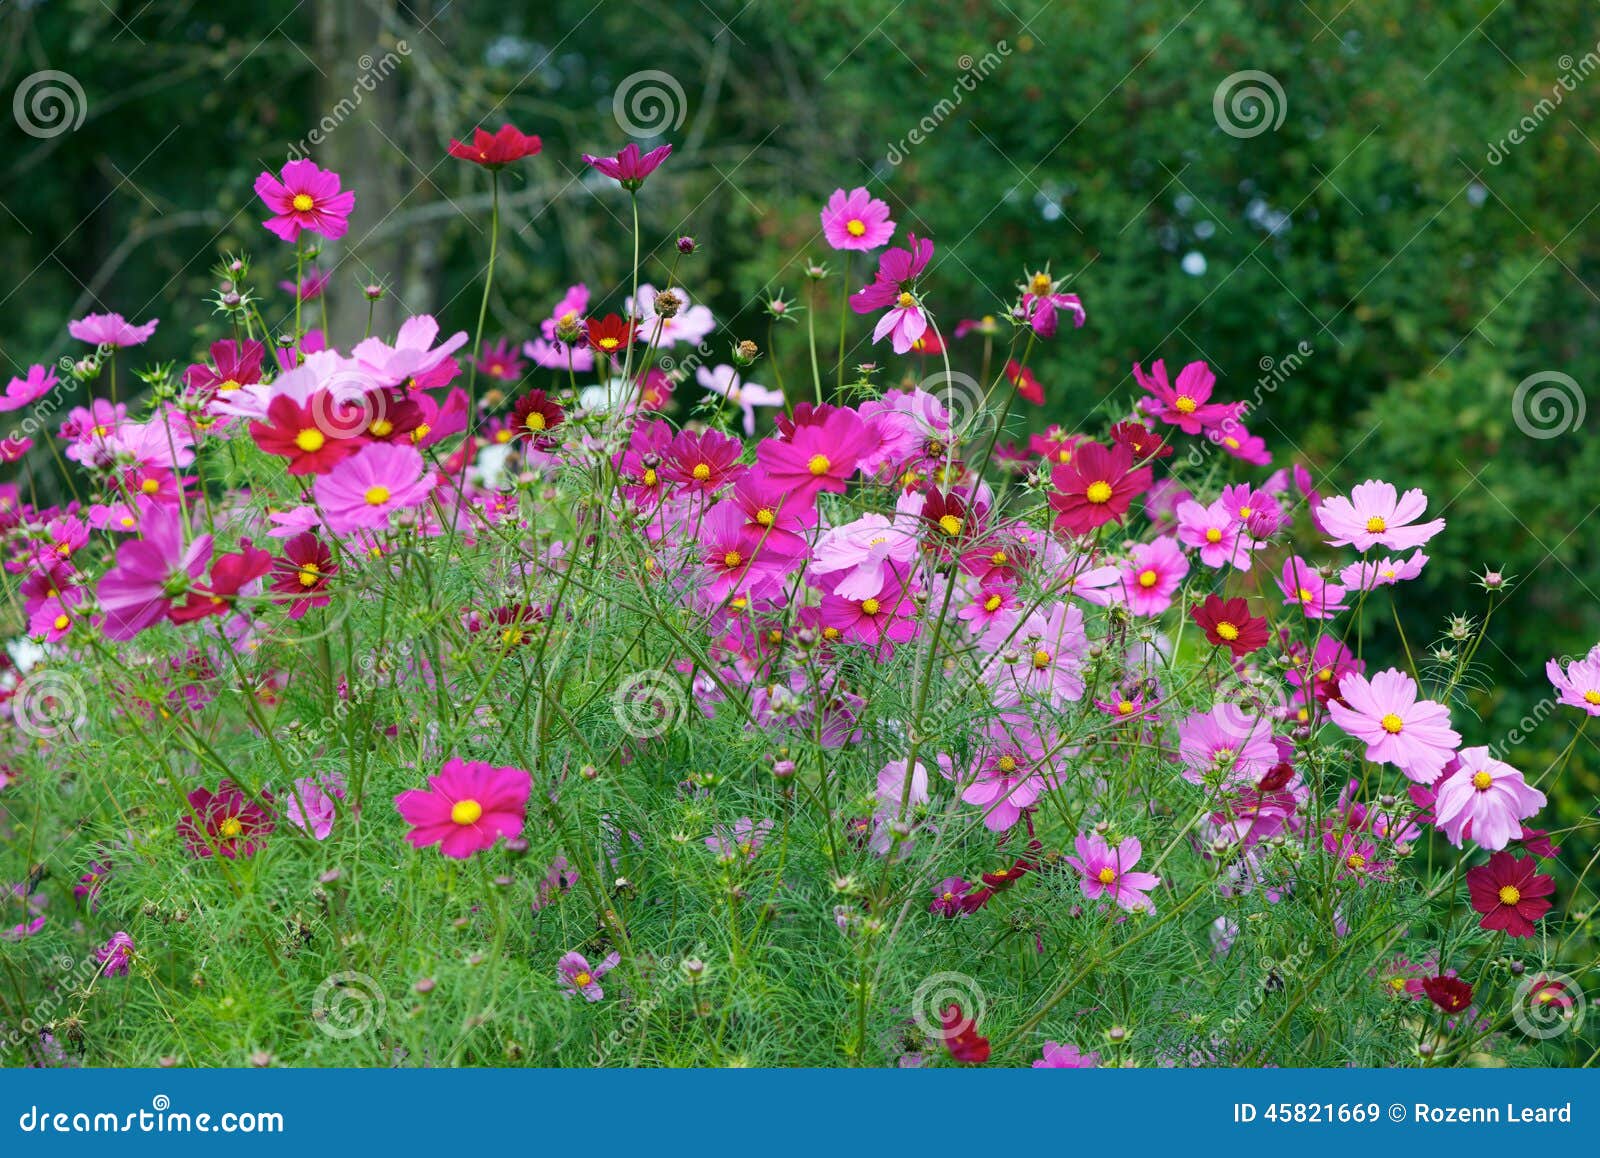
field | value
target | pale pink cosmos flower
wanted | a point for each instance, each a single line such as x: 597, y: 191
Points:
x: 1216, y: 532
x: 689, y: 326
x: 1374, y: 516
x: 548, y: 350
x: 740, y: 842
x: 1226, y: 746
x: 892, y: 790
x: 366, y: 488
x: 310, y: 803
x: 413, y: 359
x: 1009, y: 772
x: 1066, y: 1057
x: 856, y: 220
x: 725, y: 381
x: 1040, y: 657
x: 1485, y: 800
x: 852, y: 560
x: 1578, y: 682
x: 578, y: 976
x: 1107, y: 872
x: 1153, y: 573
x: 1369, y: 575
x: 111, y: 330
x: 1303, y: 586
x: 1384, y: 712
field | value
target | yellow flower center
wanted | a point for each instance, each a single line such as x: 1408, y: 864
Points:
x: 1148, y: 578
x: 855, y: 227
x: 1106, y: 875
x: 420, y: 432
x: 1098, y: 492
x: 1305, y: 595
x: 732, y: 559
x: 992, y: 603
x: 818, y: 465
x: 582, y: 979
x: 228, y: 386
x: 609, y: 343
x: 1591, y: 697
x: 230, y: 828
x: 1124, y: 707
x: 1185, y: 404
x: 310, y: 441
x: 465, y: 812
x: 649, y: 476
x: 381, y: 428
x: 309, y: 574
x: 1227, y: 631
x: 377, y: 496
x: 150, y: 486
x: 905, y: 301
x: 511, y: 635
x: 998, y: 558
x: 1482, y: 781
x: 1213, y: 535
x: 1356, y: 861
x: 1039, y: 284
x: 701, y: 472
x: 502, y: 436
x: 1510, y: 894
x: 1041, y: 658
x: 870, y: 607
x: 534, y: 421
x: 62, y: 623
x: 765, y: 517
x: 303, y: 203
x: 950, y: 525
x: 1392, y: 724
x: 1008, y: 764
x: 1376, y: 525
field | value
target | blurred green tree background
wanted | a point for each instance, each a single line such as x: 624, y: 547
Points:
x: 1411, y: 198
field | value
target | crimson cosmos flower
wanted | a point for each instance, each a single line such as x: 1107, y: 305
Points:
x: 1510, y: 893
x: 1096, y: 486
x: 498, y: 149
x: 303, y: 574
x: 961, y: 1036
x: 1228, y: 623
x: 534, y: 417
x: 609, y: 334
x: 1450, y: 994
x: 224, y: 823
x: 628, y: 168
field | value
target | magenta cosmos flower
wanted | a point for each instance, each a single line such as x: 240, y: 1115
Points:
x: 115, y: 955
x: 894, y: 288
x: 466, y: 808
x: 578, y: 976
x: 1107, y: 872
x: 1153, y: 573
x: 1384, y: 712
x: 628, y: 168
x: 1374, y: 516
x: 1485, y: 800
x: 1303, y: 586
x: 303, y: 197
x: 1065, y: 1057
x: 818, y: 456
x: 362, y: 491
x: 151, y: 573
x: 856, y: 220
x: 1578, y: 682
x: 111, y: 330
x: 21, y: 392
x: 1187, y: 405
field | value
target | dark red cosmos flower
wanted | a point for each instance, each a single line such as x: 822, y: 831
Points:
x: 303, y: 574
x: 494, y: 150
x: 1096, y: 487
x: 805, y: 414
x: 292, y: 430
x: 1145, y: 443
x: 610, y: 334
x: 1450, y: 994
x: 225, y: 822
x: 961, y: 1036
x: 511, y: 624
x: 1005, y: 877
x: 1510, y: 893
x: 1029, y: 388
x: 628, y: 168
x: 229, y: 575
x: 534, y: 417
x: 949, y: 517
x: 1228, y: 623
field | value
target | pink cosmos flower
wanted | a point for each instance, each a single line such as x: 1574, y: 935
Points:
x: 1371, y: 574
x: 851, y: 560
x: 1009, y: 773
x: 1373, y: 516
x: 361, y: 492
x: 702, y: 463
x: 578, y: 976
x: 1485, y: 800
x: 856, y: 220
x: 111, y: 330
x: 1384, y: 712
x: 549, y: 350
x: 740, y: 842
x: 1153, y: 573
x: 1042, y: 302
x: 893, y: 287
x: 1303, y: 586
x: 1040, y: 657
x: 310, y: 804
x: 1066, y: 1057
x: 1216, y: 532
x: 818, y: 456
x: 1226, y: 746
x: 880, y: 620
x: 1578, y: 682
x: 22, y: 392
x: 628, y: 168
x: 1106, y: 872
x: 724, y: 381
x: 151, y: 572
x: 739, y: 560
x: 689, y: 326
x: 116, y: 955
x: 466, y: 808
x: 413, y: 360
x: 1187, y: 406
x: 305, y: 198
